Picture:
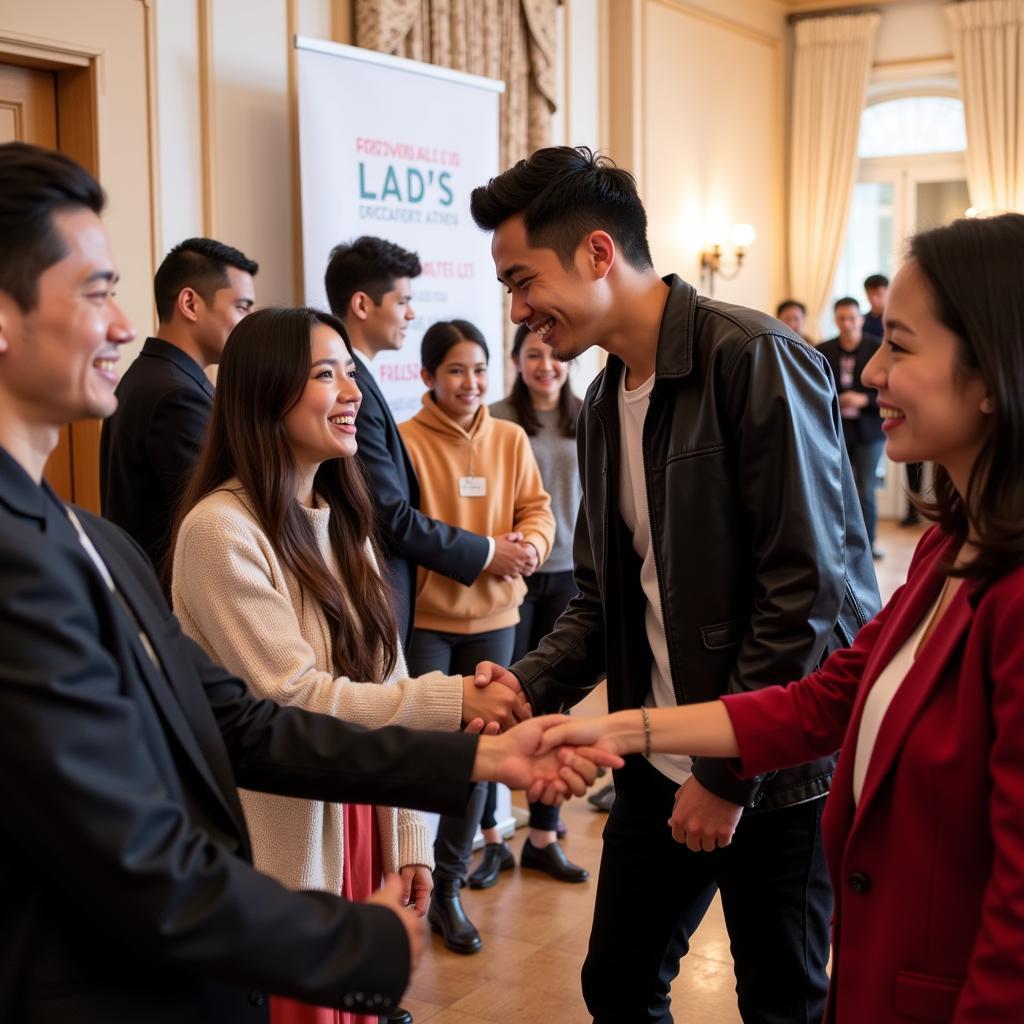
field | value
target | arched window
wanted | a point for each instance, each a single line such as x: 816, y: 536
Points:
x: 912, y: 125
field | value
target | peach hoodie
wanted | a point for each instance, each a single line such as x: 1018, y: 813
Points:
x: 499, y: 451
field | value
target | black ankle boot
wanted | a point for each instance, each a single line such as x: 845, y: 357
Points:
x: 398, y: 1016
x: 449, y: 920
x: 497, y: 857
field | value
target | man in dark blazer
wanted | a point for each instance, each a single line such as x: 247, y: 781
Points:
x: 126, y: 884
x: 847, y: 355
x: 368, y: 285
x: 150, y: 444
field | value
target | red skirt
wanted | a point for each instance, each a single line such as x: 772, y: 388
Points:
x: 361, y: 875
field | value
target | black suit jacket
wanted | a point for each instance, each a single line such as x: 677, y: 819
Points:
x: 150, y: 444
x: 867, y: 427
x: 126, y: 892
x: 408, y: 537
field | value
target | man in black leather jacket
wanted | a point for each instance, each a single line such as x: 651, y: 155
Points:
x: 719, y: 547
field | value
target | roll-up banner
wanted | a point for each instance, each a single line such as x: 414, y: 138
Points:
x: 393, y: 148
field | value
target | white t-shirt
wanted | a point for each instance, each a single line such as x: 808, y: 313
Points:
x: 633, y: 406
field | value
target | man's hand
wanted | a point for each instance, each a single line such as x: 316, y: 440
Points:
x: 493, y: 703
x: 512, y: 557
x: 488, y: 672
x: 390, y: 895
x: 515, y: 759
x: 702, y: 820
x: 417, y: 885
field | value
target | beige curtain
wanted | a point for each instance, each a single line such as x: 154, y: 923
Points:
x: 988, y: 43
x: 831, y: 66
x: 513, y: 40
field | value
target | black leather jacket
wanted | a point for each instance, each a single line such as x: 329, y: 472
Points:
x: 760, y: 549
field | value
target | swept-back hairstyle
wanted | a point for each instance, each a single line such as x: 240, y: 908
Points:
x: 262, y: 375
x: 564, y: 193
x: 197, y: 263
x: 369, y: 265
x: 440, y: 338
x: 36, y: 183
x: 975, y: 272
x: 522, y: 405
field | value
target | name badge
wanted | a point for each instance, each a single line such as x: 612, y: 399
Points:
x: 472, y: 487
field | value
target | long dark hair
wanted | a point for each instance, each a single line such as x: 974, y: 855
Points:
x: 262, y: 374
x: 522, y: 404
x: 975, y: 269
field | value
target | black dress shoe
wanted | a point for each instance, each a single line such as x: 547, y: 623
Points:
x: 552, y: 859
x: 400, y: 1016
x: 449, y: 920
x: 497, y: 857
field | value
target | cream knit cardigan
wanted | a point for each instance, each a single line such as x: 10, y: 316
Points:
x: 235, y: 600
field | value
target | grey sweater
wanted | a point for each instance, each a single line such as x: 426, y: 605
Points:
x: 556, y: 456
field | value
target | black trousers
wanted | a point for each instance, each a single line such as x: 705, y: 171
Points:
x: 653, y: 892
x: 458, y: 654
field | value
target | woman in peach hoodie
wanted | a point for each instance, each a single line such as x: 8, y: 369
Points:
x: 480, y: 474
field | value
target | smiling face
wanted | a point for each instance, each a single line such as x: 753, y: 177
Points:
x: 460, y: 382
x: 542, y: 373
x: 385, y: 323
x: 563, y: 306
x: 58, y: 360
x: 321, y: 424
x: 933, y: 408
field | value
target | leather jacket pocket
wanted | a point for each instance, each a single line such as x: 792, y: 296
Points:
x: 719, y: 635
x: 926, y: 997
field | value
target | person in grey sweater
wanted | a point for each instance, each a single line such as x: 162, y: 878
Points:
x: 543, y: 404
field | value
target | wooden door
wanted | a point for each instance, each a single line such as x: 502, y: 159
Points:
x: 29, y: 113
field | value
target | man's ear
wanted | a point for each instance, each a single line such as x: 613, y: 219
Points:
x: 9, y: 309
x: 599, y: 253
x: 188, y: 304
x: 359, y: 305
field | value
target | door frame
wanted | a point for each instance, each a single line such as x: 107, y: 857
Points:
x: 76, y: 71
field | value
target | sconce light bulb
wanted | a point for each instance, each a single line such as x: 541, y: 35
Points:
x: 743, y: 235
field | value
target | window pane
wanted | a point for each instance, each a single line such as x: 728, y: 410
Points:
x: 915, y: 124
x: 939, y: 202
x: 868, y: 247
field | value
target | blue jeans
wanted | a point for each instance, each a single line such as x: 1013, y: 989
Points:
x: 458, y: 654
x: 864, y: 462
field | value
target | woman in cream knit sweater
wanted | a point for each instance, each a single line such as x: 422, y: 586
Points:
x: 274, y: 575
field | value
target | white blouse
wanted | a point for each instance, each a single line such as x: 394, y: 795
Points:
x: 881, y: 696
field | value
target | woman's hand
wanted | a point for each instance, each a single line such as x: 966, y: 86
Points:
x: 616, y: 734
x: 417, y: 885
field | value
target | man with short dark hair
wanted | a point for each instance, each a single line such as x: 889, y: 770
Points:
x: 876, y: 287
x: 794, y: 315
x: 126, y: 875
x: 369, y: 286
x: 150, y: 445
x: 847, y: 355
x: 718, y: 549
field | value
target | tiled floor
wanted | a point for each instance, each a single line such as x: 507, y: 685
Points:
x: 535, y: 929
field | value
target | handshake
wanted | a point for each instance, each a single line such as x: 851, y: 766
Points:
x: 525, y: 756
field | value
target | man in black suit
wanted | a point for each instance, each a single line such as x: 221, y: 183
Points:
x: 150, y: 444
x: 369, y: 287
x: 126, y: 884
x: 847, y: 355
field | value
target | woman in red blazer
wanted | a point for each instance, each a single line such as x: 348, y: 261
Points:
x: 925, y: 823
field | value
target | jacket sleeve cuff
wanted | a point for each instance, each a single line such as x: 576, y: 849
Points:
x: 387, y: 975
x: 721, y: 776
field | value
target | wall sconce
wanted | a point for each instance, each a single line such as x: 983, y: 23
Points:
x: 743, y: 236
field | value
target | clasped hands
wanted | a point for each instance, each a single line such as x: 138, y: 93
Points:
x: 512, y: 557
